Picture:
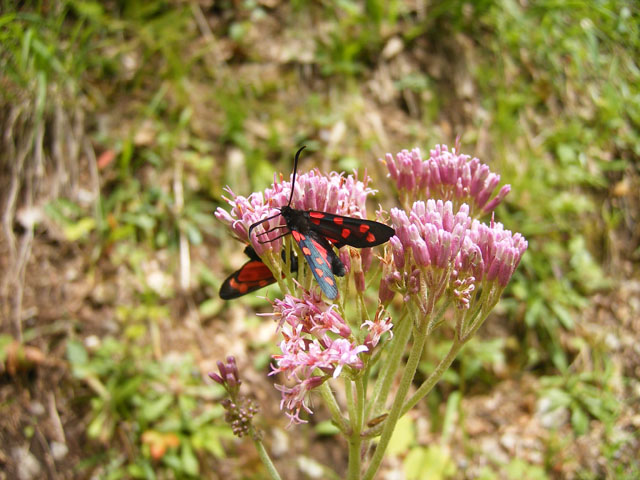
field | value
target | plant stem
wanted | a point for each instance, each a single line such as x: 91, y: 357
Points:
x: 334, y: 408
x: 435, y: 376
x: 390, y: 366
x: 356, y: 414
x: 266, y: 460
x: 395, y: 413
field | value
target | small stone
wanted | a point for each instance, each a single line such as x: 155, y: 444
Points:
x: 28, y: 466
x: 59, y: 450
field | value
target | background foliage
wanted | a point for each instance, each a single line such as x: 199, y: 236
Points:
x: 121, y: 123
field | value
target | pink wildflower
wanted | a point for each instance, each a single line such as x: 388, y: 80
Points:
x: 431, y: 233
x: 487, y: 260
x: 308, y: 326
x: 500, y: 249
x: 295, y: 399
x: 333, y: 193
x: 377, y: 327
x: 445, y: 175
x: 239, y: 409
x: 312, y: 313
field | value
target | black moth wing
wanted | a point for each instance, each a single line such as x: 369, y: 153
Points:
x: 355, y: 232
x: 322, y: 260
x: 252, y: 276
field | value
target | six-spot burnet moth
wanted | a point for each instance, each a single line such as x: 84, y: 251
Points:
x: 315, y: 233
x: 252, y: 276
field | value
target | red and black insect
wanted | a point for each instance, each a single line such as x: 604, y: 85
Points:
x: 252, y: 276
x: 315, y: 233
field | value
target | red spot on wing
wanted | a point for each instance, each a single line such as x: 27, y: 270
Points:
x: 297, y: 236
x: 345, y: 233
x: 306, y: 251
x: 338, y: 220
x: 321, y: 249
x: 329, y: 281
x: 315, y: 221
x: 316, y: 214
x: 364, y: 228
x: 240, y: 287
x: 320, y: 272
x: 253, y: 272
x: 320, y: 260
x: 371, y: 237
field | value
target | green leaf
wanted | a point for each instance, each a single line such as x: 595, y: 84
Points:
x: 153, y: 410
x: 76, y: 353
x: 5, y: 341
x: 557, y: 398
x: 451, y: 415
x: 80, y: 229
x: 518, y: 469
x: 189, y: 460
x: 403, y: 436
x: 326, y: 428
x: 431, y: 463
x: 210, y: 307
x: 563, y: 315
x: 579, y: 420
x: 210, y: 439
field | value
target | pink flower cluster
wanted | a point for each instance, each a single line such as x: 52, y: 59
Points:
x: 432, y: 232
x: 377, y: 327
x: 488, y: 259
x: 317, y: 345
x: 445, y: 175
x: 333, y: 193
x: 435, y: 248
x: 239, y: 409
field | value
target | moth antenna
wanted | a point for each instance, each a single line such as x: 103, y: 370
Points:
x: 261, y: 222
x: 295, y: 170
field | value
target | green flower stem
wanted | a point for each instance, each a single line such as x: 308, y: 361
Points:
x: 351, y: 407
x: 361, y: 393
x: 395, y: 413
x: 354, y: 457
x: 334, y: 408
x: 289, y: 257
x: 435, y: 376
x: 355, y: 414
x: 402, y: 332
x: 266, y: 460
x: 274, y: 265
x: 476, y: 324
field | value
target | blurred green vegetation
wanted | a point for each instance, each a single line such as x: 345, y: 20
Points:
x: 163, y: 103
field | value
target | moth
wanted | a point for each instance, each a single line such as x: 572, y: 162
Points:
x: 316, y: 233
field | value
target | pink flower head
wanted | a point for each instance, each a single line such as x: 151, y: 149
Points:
x: 445, y: 175
x: 500, y: 249
x: 228, y: 377
x: 295, y: 399
x: 245, y: 211
x: 299, y: 361
x: 343, y: 352
x: 427, y: 241
x: 431, y: 232
x: 488, y: 257
x: 377, y: 327
x: 311, y: 313
x: 315, y: 339
x: 333, y: 193
x: 385, y: 290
